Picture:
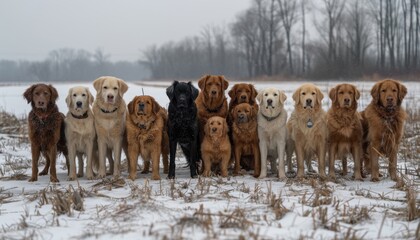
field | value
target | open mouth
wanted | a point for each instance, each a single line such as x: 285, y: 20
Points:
x: 308, y: 106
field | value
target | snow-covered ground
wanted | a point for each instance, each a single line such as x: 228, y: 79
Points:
x: 205, y: 208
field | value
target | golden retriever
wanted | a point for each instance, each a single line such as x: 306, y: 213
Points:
x: 46, y: 129
x: 110, y: 112
x: 308, y: 128
x: 211, y: 100
x: 344, y: 128
x: 385, y: 119
x: 241, y: 93
x: 272, y: 131
x: 147, y: 135
x: 216, y: 147
x: 80, y: 131
x: 245, y: 139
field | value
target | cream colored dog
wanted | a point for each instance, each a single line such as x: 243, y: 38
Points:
x: 308, y: 128
x: 110, y: 115
x: 272, y: 131
x: 80, y: 131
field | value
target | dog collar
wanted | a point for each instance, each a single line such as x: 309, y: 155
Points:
x: 213, y: 110
x: 106, y: 111
x: 269, y: 119
x: 83, y: 116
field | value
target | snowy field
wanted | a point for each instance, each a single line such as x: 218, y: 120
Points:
x: 205, y: 208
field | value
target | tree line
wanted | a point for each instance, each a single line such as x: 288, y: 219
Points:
x: 70, y: 65
x: 350, y: 39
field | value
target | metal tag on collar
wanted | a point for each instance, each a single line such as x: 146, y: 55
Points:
x: 309, y: 123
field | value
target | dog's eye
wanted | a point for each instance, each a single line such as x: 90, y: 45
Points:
x: 341, y: 93
x: 115, y: 88
x: 394, y: 90
x: 148, y: 102
x: 83, y: 95
x: 105, y: 87
x: 74, y: 95
x: 383, y: 90
x: 219, y: 123
x: 303, y: 93
x: 313, y: 93
x: 275, y: 94
x: 266, y: 94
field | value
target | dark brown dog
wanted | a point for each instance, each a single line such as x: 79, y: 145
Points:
x: 245, y: 139
x: 344, y: 128
x: 385, y: 119
x: 147, y: 135
x: 46, y: 129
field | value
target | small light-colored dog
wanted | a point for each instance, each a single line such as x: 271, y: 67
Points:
x: 80, y: 131
x: 272, y: 131
x: 110, y: 113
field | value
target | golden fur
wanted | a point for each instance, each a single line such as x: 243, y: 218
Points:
x: 385, y: 119
x: 245, y: 139
x: 147, y: 135
x: 344, y: 128
x: 272, y: 132
x: 80, y: 131
x: 110, y: 110
x: 216, y: 147
x: 308, y: 141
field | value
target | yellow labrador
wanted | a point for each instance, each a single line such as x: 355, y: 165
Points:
x: 272, y: 130
x: 110, y: 112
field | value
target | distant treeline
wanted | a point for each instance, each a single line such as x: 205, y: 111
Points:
x: 70, y: 65
x: 353, y: 38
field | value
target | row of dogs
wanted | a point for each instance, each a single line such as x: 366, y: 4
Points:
x: 249, y: 132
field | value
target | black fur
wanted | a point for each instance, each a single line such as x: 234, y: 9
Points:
x: 183, y: 125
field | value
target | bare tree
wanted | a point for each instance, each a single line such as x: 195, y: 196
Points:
x: 288, y: 15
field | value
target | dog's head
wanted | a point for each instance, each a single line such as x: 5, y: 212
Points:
x: 141, y: 108
x: 41, y: 95
x: 216, y: 127
x: 243, y: 113
x: 110, y: 89
x: 308, y: 96
x: 271, y: 98
x: 79, y: 99
x: 388, y: 93
x: 213, y: 86
x: 182, y: 94
x: 344, y: 95
x: 243, y: 93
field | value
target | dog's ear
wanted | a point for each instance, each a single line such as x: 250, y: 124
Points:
x: 253, y: 114
x: 156, y: 107
x: 333, y: 94
x: 130, y: 106
x: 207, y: 128
x: 170, y: 90
x: 282, y: 97
x: 225, y: 83
x: 260, y: 97
x: 254, y: 94
x: 54, y: 93
x: 232, y: 93
x: 122, y: 86
x: 296, y: 96
x: 225, y: 128
x: 69, y: 98
x: 202, y: 82
x: 375, y: 91
x: 28, y: 94
x: 194, y: 91
x: 90, y: 97
x: 319, y: 96
x: 98, y: 83
x: 356, y: 93
x: 402, y: 91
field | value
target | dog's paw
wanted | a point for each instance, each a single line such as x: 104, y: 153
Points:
x: 33, y: 179
x: 43, y: 173
x: 71, y: 178
x: 54, y: 179
x: 155, y: 177
x: 375, y: 179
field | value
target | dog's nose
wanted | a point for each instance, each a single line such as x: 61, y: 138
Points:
x: 142, y: 126
x: 241, y: 116
x: 347, y: 100
x: 110, y: 96
x: 390, y: 99
x: 214, y: 129
x: 243, y: 97
x: 141, y: 106
x: 308, y: 101
x: 213, y: 92
x: 79, y: 104
x: 269, y: 101
x: 41, y: 103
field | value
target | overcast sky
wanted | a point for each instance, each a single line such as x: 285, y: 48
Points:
x: 30, y: 29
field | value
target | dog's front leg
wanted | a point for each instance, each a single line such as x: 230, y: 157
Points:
x: 36, y: 152
x: 102, y: 148
x: 172, y: 152
x: 281, y: 149
x: 264, y: 152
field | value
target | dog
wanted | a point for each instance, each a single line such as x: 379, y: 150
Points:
x: 344, y: 128
x: 241, y: 93
x: 307, y: 126
x: 183, y: 125
x: 80, y: 132
x: 211, y: 100
x: 110, y: 111
x: 46, y: 129
x: 216, y: 147
x: 245, y: 139
x: 147, y: 135
x: 272, y: 131
x: 385, y: 120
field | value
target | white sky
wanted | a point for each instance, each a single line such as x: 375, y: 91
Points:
x: 30, y: 29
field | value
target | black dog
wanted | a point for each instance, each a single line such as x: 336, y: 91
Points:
x: 183, y: 124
